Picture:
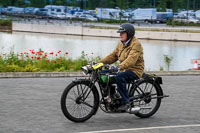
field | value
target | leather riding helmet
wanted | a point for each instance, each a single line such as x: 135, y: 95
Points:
x: 128, y: 28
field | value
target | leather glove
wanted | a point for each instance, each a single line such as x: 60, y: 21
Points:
x: 115, y: 68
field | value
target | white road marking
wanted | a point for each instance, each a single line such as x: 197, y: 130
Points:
x: 137, y: 129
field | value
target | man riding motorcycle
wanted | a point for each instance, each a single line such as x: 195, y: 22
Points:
x: 129, y: 52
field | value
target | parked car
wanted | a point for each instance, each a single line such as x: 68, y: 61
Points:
x: 41, y: 12
x: 30, y: 10
x: 186, y: 13
x: 61, y: 16
x: 14, y: 10
x: 162, y: 17
x: 1, y: 9
x: 197, y: 14
x: 78, y: 14
x: 88, y: 17
x: 191, y: 20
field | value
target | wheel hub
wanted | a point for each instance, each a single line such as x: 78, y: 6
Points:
x: 78, y: 100
x: 147, y: 98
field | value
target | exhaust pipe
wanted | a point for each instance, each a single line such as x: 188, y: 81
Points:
x: 136, y: 110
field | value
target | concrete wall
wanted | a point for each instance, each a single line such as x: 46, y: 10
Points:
x: 86, y: 31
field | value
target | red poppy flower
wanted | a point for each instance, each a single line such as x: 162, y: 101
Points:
x: 54, y: 61
x: 38, y: 58
x: 27, y: 55
x: 92, y: 53
x: 66, y: 53
x: 71, y: 66
x: 51, y: 53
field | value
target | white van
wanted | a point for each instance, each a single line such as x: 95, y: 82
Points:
x: 143, y: 14
x: 108, y: 13
x: 58, y: 10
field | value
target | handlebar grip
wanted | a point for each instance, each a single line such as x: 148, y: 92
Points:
x: 97, y: 66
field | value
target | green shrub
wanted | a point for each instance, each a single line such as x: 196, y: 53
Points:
x: 29, y: 68
x: 114, y: 21
x: 5, y: 22
x: 12, y: 68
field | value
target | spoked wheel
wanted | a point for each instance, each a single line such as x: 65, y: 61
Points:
x: 148, y: 99
x: 79, y: 101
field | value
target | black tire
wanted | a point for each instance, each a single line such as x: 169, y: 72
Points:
x: 146, y: 21
x: 158, y: 22
x: 158, y: 102
x: 94, y: 107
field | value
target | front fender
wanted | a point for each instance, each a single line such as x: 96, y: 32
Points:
x: 81, y: 80
x: 93, y: 87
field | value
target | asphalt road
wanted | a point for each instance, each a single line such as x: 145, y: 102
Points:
x: 32, y: 105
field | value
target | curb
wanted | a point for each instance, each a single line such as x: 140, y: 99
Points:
x: 80, y: 74
x: 175, y: 73
x: 39, y: 74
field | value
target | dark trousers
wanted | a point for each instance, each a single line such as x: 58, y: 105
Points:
x: 121, y: 80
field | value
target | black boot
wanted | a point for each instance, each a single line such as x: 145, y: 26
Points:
x: 124, y: 107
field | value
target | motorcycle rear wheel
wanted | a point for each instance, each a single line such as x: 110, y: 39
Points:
x: 151, y: 92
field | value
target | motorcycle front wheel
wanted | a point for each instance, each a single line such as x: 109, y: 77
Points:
x: 80, y: 101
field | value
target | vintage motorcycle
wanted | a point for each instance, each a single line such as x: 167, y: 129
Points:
x: 81, y: 100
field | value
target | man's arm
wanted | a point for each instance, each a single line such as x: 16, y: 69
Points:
x: 111, y: 58
x: 132, y: 57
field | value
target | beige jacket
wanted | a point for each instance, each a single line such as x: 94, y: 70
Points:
x: 130, y: 57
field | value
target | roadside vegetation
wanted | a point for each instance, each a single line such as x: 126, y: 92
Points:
x: 41, y: 61
x: 6, y: 22
x: 168, y: 60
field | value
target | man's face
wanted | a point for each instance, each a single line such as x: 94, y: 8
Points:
x: 123, y: 36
